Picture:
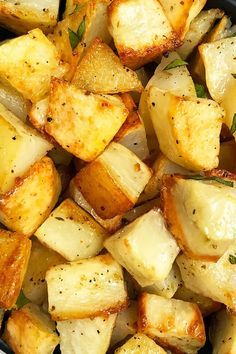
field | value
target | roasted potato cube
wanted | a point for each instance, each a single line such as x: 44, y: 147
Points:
x: 200, y: 215
x: 40, y: 187
x: 213, y: 280
x: 181, y: 14
x: 175, y: 324
x: 140, y: 344
x: 30, y: 331
x: 206, y: 305
x: 145, y: 248
x: 168, y: 286
x: 38, y: 114
x: 94, y: 286
x: 72, y: 232
x: 113, y: 182
x: 227, y: 157
x: 30, y: 56
x: 126, y: 323
x: 98, y: 66
x: 15, y: 252
x: 223, y: 332
x: 88, y: 335
x: 41, y: 259
x: 141, y: 31
x: 86, y: 132
x: 111, y: 225
x: 187, y: 128
x: 17, y: 140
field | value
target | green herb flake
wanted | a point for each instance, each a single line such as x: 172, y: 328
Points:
x: 22, y: 300
x: 175, y: 64
x: 200, y: 91
x: 232, y: 259
x: 81, y: 29
x: 212, y: 178
x: 233, y: 127
x: 78, y: 7
x: 74, y: 40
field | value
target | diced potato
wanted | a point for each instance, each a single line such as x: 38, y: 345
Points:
x: 13, y: 101
x: 181, y: 14
x: 17, y: 141
x: 86, y: 336
x: 111, y: 225
x: 161, y: 166
x: 175, y: 324
x: 72, y: 232
x: 223, y: 333
x: 41, y: 259
x: 89, y: 121
x: 30, y: 331
x: 140, y: 344
x: 31, y: 199
x: 205, y: 304
x: 132, y: 134
x: 38, y: 114
x: 113, y: 182
x: 15, y: 252
x: 168, y: 286
x: 94, y: 286
x: 100, y: 71
x: 25, y: 15
x: 28, y: 62
x: 177, y: 81
x: 140, y: 210
x: 229, y: 104
x: 140, y: 31
x: 200, y: 215
x: 144, y: 248
x: 187, y: 128
x: 214, y: 280
x: 227, y: 157
x: 198, y: 29
x: 126, y: 323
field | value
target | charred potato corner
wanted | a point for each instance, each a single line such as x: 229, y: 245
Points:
x: 117, y: 177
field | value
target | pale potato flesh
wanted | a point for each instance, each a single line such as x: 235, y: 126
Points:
x: 140, y: 344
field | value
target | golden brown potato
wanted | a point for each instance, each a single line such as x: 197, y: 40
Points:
x: 30, y: 331
x: 175, y: 324
x: 94, y: 286
x: 72, y: 232
x: 17, y: 140
x: 100, y: 71
x: 24, y: 207
x: 86, y: 132
x: 30, y: 56
x: 15, y: 252
x: 140, y: 344
x: 113, y: 182
x: 140, y: 31
x: 41, y: 259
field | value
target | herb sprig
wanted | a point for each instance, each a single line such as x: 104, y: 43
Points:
x: 76, y: 37
x: 175, y: 64
x: 212, y: 178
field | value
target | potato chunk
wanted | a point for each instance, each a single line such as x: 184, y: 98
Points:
x: 223, y: 333
x: 30, y: 331
x: 15, y: 252
x: 214, y: 280
x: 86, y: 336
x: 17, y: 140
x: 40, y: 187
x: 140, y: 344
x: 187, y: 128
x: 25, y: 15
x: 41, y: 259
x: 72, y: 232
x: 145, y: 248
x: 140, y: 30
x: 89, y: 121
x: 100, y: 71
x: 94, y: 286
x: 175, y: 324
x: 113, y: 182
x: 30, y: 56
x: 200, y: 215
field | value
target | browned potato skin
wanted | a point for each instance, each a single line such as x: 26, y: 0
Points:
x: 14, y: 211
x: 102, y: 194
x: 15, y: 251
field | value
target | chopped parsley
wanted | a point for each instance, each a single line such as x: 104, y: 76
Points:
x: 75, y: 38
x: 200, y: 91
x: 22, y: 300
x: 232, y: 259
x: 175, y: 64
